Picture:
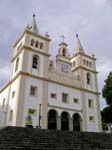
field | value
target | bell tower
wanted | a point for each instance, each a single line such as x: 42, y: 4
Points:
x: 63, y: 63
x: 30, y: 63
x: 84, y: 66
x: 31, y: 52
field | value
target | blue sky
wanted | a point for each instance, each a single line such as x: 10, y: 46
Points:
x: 91, y: 19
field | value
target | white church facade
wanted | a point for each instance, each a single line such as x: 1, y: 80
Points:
x: 61, y: 94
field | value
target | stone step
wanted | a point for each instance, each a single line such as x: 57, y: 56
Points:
x: 30, y: 138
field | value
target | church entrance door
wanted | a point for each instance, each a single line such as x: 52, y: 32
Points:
x: 76, y: 122
x: 52, y: 120
x: 64, y: 121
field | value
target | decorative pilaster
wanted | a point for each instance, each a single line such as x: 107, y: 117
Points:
x: 58, y: 122
x: 44, y: 105
x: 84, y: 113
x: 70, y: 124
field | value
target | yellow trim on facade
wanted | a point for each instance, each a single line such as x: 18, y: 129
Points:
x: 49, y: 80
x: 12, y: 80
x: 38, y: 36
x: 59, y: 107
x: 35, y: 50
x: 88, y: 56
x: 31, y: 33
x: 29, y: 49
x: 81, y: 67
x: 20, y: 101
x: 67, y: 62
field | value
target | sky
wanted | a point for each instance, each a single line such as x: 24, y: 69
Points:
x: 91, y: 19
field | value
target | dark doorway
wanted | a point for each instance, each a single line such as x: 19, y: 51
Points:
x: 76, y: 122
x: 64, y: 121
x: 52, y: 121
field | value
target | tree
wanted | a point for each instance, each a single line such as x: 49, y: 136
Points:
x: 107, y: 90
x: 106, y: 113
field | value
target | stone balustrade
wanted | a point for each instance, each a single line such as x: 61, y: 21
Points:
x: 64, y: 78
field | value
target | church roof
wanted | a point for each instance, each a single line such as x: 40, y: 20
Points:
x: 78, y: 46
x: 32, y: 26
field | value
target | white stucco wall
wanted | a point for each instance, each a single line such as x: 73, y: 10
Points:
x: 3, y: 111
x: 92, y: 125
x: 13, y: 101
x: 32, y: 102
x: 72, y: 93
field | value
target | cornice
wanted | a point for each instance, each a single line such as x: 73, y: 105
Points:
x: 47, y: 79
x: 36, y: 51
x: 59, y: 107
x: 83, y: 54
x: 81, y: 67
x: 38, y: 36
x: 68, y: 61
x: 18, y: 40
x: 30, y: 49
x: 10, y: 81
x: 32, y: 33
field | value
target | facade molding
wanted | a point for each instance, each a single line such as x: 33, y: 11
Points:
x: 83, y: 54
x: 81, y: 67
x: 29, y: 49
x: 49, y: 80
x: 67, y: 62
x: 64, y: 108
x: 31, y: 33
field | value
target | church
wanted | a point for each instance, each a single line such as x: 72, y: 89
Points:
x: 60, y: 94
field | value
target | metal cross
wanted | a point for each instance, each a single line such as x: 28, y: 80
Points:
x: 34, y: 15
x: 63, y: 38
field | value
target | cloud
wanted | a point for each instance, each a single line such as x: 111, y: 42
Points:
x: 4, y: 74
x: 104, y: 67
x: 90, y: 18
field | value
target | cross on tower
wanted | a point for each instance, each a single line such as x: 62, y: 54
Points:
x: 63, y: 38
x: 33, y: 15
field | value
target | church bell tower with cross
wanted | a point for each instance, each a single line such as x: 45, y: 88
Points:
x: 84, y: 66
x: 59, y: 94
x: 63, y: 56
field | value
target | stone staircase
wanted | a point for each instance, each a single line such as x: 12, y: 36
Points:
x: 13, y: 138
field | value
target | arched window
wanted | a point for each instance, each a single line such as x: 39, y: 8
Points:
x: 51, y: 63
x: 32, y: 42
x: 11, y: 115
x: 35, y: 61
x: 90, y: 64
x: 88, y: 78
x: 17, y: 64
x: 41, y: 45
x: 3, y: 104
x: 74, y: 63
x: 36, y: 44
x: 84, y: 61
x: 63, y: 52
x: 87, y: 63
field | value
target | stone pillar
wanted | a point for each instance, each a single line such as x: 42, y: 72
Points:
x: 44, y: 106
x: 81, y: 125
x: 84, y: 111
x: 70, y: 124
x: 58, y: 122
